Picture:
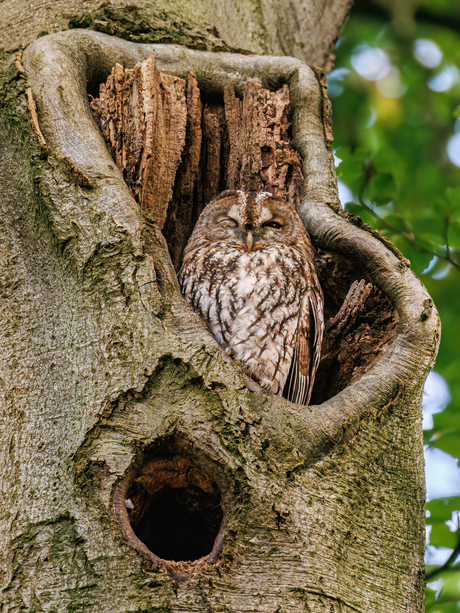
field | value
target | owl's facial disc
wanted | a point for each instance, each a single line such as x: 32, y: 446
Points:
x: 254, y: 225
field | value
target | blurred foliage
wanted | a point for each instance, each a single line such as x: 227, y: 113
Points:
x: 393, y: 134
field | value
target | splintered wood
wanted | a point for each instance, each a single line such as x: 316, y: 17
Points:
x: 143, y: 115
x: 177, y: 152
x: 261, y: 156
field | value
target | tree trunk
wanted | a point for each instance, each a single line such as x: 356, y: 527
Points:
x: 117, y: 400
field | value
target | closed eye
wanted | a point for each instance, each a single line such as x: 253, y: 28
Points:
x: 228, y: 222
x: 273, y: 224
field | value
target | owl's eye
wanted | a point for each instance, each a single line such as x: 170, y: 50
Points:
x: 273, y: 224
x: 228, y: 222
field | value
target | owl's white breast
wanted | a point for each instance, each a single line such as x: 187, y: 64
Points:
x: 250, y: 302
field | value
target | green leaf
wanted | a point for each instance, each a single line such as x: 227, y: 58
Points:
x: 444, y: 606
x: 454, y: 234
x: 361, y: 212
x: 432, y: 246
x: 441, y: 536
x: 429, y: 593
x: 352, y: 168
x: 441, y: 509
x: 382, y: 188
x: 450, y: 581
x: 400, y: 222
x: 448, y: 441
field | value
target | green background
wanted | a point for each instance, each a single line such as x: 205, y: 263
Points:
x: 394, y: 117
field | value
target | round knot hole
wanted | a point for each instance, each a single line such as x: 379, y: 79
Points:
x: 175, y: 509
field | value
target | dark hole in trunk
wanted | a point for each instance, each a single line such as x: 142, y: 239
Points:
x: 176, y: 510
x: 180, y: 523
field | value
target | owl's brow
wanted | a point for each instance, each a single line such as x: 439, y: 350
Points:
x: 255, y: 209
x: 262, y: 196
x: 233, y: 213
x: 224, y: 195
x: 265, y: 215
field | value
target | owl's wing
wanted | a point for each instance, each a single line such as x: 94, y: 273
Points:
x: 307, y: 349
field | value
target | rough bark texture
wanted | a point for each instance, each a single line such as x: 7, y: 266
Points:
x: 306, y: 30
x: 106, y: 373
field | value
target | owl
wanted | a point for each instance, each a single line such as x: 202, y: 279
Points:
x: 248, y: 272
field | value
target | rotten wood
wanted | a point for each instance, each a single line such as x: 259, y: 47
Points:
x: 177, y: 152
x: 179, y: 219
x: 143, y: 114
x: 261, y: 156
x: 214, y: 153
x: 360, y: 323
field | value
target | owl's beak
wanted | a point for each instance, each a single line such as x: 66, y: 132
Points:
x: 249, y: 240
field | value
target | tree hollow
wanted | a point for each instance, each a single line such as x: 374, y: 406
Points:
x: 178, y: 148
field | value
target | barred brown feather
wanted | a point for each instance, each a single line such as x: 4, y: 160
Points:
x: 248, y: 272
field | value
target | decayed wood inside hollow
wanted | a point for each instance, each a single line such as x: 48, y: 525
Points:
x: 177, y: 150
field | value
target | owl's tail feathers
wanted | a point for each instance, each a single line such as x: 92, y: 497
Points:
x: 297, y: 387
x: 307, y: 350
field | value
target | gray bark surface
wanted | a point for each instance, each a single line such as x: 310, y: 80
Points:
x: 102, y: 362
x: 299, y: 28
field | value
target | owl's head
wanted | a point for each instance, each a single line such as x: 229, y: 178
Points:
x: 249, y: 221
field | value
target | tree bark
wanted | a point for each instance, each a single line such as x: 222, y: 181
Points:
x: 112, y: 389
x: 305, y: 30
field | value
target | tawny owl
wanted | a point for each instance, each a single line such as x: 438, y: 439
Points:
x: 248, y: 272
